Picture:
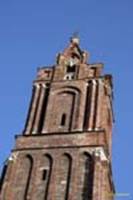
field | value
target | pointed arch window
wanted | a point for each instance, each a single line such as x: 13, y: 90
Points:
x: 64, y: 177
x: 88, y: 177
x: 29, y: 163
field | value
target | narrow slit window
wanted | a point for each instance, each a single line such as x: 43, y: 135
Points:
x: 63, y: 120
x: 44, y: 175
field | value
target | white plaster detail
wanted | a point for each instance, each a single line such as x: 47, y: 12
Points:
x: 69, y: 76
x: 44, y: 86
x: 94, y: 82
x: 34, y: 132
x: 42, y: 168
x: 99, y: 152
x: 97, y: 129
x: 52, y: 92
x: 90, y: 129
x: 37, y: 85
x: 26, y: 133
x: 75, y: 40
x: 63, y: 182
x: 44, y: 131
x: 86, y: 84
x: 13, y: 156
x: 78, y: 129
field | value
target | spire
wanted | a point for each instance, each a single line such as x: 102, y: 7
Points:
x: 75, y: 38
x: 73, y: 51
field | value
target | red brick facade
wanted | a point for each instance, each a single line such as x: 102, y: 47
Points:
x: 65, y: 150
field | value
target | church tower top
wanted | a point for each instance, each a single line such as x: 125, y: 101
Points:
x: 73, y: 51
x: 71, y: 64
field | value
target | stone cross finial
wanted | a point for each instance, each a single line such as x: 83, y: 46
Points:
x: 75, y: 38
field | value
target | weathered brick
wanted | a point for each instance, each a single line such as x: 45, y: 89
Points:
x: 64, y: 152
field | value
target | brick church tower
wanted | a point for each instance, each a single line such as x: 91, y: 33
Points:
x: 64, y: 152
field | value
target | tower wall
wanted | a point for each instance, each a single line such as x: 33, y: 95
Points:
x: 64, y: 152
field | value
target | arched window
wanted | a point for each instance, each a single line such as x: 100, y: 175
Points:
x: 47, y: 173
x: 22, y: 182
x: 88, y: 177
x: 30, y: 167
x: 44, y: 109
x: 63, y: 180
x: 43, y: 177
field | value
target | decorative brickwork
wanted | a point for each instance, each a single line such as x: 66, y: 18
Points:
x: 64, y: 152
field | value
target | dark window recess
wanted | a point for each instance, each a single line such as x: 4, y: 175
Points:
x: 63, y: 120
x: 109, y: 118
x: 3, y: 176
x: 68, y: 176
x: 87, y: 106
x: 47, y: 73
x: 71, y: 69
x: 44, y: 175
x: 43, y: 112
x: 36, y: 108
x: 88, y: 179
x: 72, y: 113
x: 96, y: 105
x: 28, y: 178
x: 72, y: 77
x: 49, y: 170
x: 74, y: 55
x: 29, y: 111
